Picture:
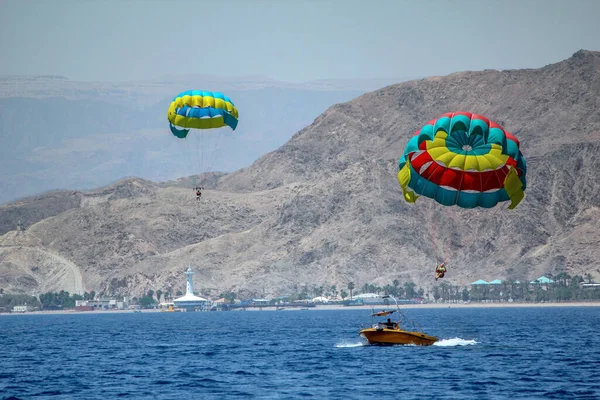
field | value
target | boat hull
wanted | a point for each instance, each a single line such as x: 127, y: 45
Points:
x: 397, y: 336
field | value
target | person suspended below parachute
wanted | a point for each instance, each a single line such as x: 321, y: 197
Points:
x: 440, y: 270
x: 465, y: 160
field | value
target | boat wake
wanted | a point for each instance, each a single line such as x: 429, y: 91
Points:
x: 345, y: 344
x: 455, y: 342
x: 441, y: 343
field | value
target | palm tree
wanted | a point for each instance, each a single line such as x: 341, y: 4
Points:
x: 465, y: 294
x: 409, y: 289
x: 319, y: 291
x: 334, y: 291
x: 388, y: 289
x: 436, y: 293
x: 446, y: 289
x: 400, y: 293
x: 562, y: 278
x: 351, y: 288
x: 365, y: 288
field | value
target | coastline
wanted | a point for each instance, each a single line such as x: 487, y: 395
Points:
x: 456, y: 305
x: 483, y: 305
x: 333, y: 307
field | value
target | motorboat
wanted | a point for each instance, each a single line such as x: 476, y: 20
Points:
x: 401, y: 331
x: 386, y: 336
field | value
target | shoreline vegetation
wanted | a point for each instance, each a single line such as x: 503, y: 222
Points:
x: 562, y: 289
x: 323, y: 307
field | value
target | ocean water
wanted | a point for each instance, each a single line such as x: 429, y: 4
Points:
x: 497, y: 353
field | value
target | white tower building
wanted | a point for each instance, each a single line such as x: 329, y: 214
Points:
x: 190, y: 302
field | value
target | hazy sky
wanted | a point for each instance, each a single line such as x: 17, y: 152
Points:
x: 292, y: 40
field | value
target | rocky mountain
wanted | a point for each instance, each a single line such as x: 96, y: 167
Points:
x: 326, y: 208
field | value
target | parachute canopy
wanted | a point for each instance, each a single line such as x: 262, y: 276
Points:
x: 201, y: 110
x: 463, y: 159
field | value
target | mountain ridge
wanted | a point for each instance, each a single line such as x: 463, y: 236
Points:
x: 326, y: 208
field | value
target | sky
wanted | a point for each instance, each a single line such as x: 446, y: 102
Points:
x: 288, y: 40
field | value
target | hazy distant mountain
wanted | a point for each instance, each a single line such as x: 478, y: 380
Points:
x: 325, y: 208
x: 111, y: 130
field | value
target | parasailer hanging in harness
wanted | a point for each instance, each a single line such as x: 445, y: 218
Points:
x: 198, y: 192
x: 440, y: 270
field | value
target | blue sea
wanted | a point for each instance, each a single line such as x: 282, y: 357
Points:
x: 495, y: 353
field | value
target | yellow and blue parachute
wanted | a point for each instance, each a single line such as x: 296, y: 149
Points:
x: 197, y: 109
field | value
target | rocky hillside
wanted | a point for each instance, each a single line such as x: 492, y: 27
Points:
x: 326, y: 208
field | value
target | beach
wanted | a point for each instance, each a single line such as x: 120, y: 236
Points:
x: 340, y: 307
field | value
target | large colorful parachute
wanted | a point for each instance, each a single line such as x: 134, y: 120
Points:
x: 463, y: 159
x: 201, y: 110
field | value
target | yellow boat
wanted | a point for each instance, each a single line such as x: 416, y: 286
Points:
x: 392, y: 332
x: 380, y: 335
